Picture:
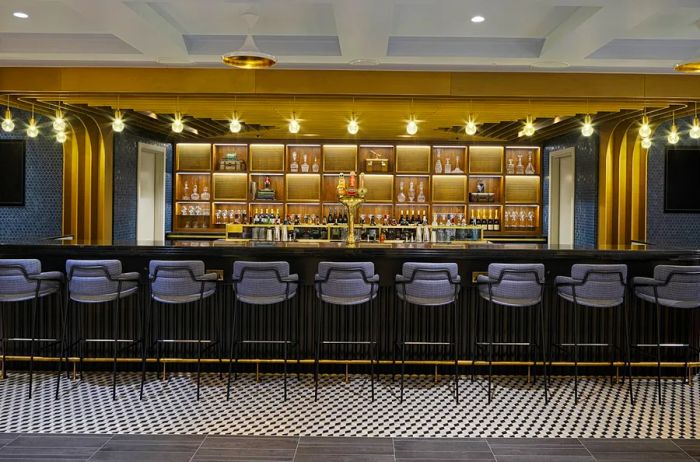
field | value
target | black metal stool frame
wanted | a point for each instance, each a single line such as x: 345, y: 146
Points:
x: 372, y: 342
x: 36, y: 302
x: 577, y: 344
x: 402, y: 303
x: 490, y: 327
x: 237, y: 334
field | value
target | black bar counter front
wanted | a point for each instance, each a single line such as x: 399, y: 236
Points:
x: 426, y: 324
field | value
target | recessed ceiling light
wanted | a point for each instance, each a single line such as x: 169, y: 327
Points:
x: 20, y: 15
x: 478, y: 19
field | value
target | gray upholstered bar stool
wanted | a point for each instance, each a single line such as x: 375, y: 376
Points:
x: 672, y: 287
x: 347, y: 285
x: 518, y: 286
x: 22, y: 280
x: 427, y: 286
x: 94, y: 283
x: 257, y: 285
x: 175, y: 283
x: 596, y: 286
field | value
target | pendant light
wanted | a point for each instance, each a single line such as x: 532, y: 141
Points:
x: 353, y: 126
x: 673, y: 136
x: 118, y: 122
x: 470, y: 128
x: 529, y: 127
x: 32, y: 129
x: 587, y: 128
x: 645, y: 129
x: 646, y: 143
x: 694, y: 131
x: 178, y: 125
x: 249, y: 55
x: 294, y: 125
x: 412, y: 126
x: 59, y: 123
x: 7, y: 124
x: 61, y: 137
x: 235, y: 125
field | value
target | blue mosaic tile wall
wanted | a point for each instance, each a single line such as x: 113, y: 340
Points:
x: 586, y: 191
x: 41, y: 214
x: 668, y: 229
x: 126, y: 146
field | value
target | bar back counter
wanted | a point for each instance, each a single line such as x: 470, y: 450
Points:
x: 512, y: 324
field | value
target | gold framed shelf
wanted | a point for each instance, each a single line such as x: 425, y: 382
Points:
x: 223, y: 151
x: 303, y: 187
x: 412, y: 159
x: 380, y: 188
x: 267, y: 158
x: 449, y: 189
x: 376, y: 158
x: 522, y: 189
x: 193, y: 157
x: 485, y: 160
x: 312, y: 153
x: 339, y: 158
x: 457, y: 156
x: 230, y: 186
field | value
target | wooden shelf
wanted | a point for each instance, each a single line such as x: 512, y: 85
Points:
x: 412, y: 159
x: 267, y: 158
x: 339, y: 158
x: 193, y: 157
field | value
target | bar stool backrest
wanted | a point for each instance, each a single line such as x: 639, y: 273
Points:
x: 261, y: 280
x: 684, y: 288
x: 518, y: 281
x: 345, y: 283
x: 89, y: 278
x: 14, y: 285
x: 602, y: 282
x: 176, y: 279
x: 430, y: 281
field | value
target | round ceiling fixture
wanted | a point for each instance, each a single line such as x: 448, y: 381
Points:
x: 478, y: 19
x: 689, y: 67
x: 20, y: 15
x: 249, y: 55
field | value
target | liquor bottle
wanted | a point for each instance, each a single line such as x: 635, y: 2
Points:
x: 489, y: 221
x: 496, y: 222
x: 330, y: 217
x: 345, y: 218
x: 244, y: 217
x: 448, y: 166
x: 438, y: 164
x: 425, y: 219
x: 401, y: 219
x: 195, y: 194
x: 529, y: 170
x: 315, y: 167
x: 256, y: 219
x: 472, y: 220
x: 305, y: 164
x: 478, y: 218
x: 421, y: 193
x: 186, y: 192
x: 294, y: 166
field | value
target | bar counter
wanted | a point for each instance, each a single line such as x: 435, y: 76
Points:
x: 303, y: 257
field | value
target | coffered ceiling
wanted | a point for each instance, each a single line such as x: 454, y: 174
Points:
x: 518, y: 35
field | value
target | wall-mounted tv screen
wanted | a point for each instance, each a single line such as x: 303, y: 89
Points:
x: 12, y: 172
x: 681, y: 186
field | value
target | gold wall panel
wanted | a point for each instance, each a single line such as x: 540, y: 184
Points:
x: 193, y: 157
x: 266, y: 158
x: 303, y: 187
x: 230, y: 186
x: 449, y: 188
x: 486, y: 159
x: 339, y: 158
x: 522, y: 189
x: 380, y: 188
x: 412, y: 159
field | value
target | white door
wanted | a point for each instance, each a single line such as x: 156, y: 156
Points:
x: 150, y: 222
x: 562, y: 174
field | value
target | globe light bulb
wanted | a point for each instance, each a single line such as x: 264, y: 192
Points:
x: 7, y: 124
x: 59, y: 124
x: 470, y: 128
x: 673, y: 137
x: 118, y: 123
x: 646, y: 143
x: 529, y: 128
x: 645, y: 129
x: 61, y: 137
x: 32, y: 129
x: 235, y: 125
x: 294, y: 126
x: 695, y: 129
x: 587, y: 129
x: 177, y: 125
x: 353, y: 127
x: 411, y: 127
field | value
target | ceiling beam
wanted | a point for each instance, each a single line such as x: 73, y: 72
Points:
x: 363, y: 27
x: 146, y: 31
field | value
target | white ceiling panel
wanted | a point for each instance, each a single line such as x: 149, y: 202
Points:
x: 277, y: 45
x: 647, y: 49
x: 58, y: 43
x: 482, y: 47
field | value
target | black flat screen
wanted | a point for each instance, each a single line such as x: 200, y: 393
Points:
x: 681, y: 190
x: 12, y: 172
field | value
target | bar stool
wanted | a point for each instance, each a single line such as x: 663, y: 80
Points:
x: 595, y: 286
x: 671, y: 287
x: 22, y: 280
x: 94, y: 282
x: 517, y: 286
x: 345, y: 284
x: 180, y: 282
x: 427, y: 285
x: 259, y: 284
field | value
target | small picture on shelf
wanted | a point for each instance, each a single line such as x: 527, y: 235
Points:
x: 230, y: 162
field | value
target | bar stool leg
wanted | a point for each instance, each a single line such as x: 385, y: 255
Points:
x: 475, y: 346
x: 64, y: 330
x: 34, y: 320
x: 490, y: 334
x: 144, y: 331
x: 658, y: 351
x: 454, y: 346
x: 317, y: 350
x: 159, y: 337
x: 115, y: 331
x: 199, y: 344
x: 297, y: 310
x: 233, y: 352
x: 372, y: 342
x: 543, y: 353
x: 611, y: 350
x: 403, y: 347
x: 628, y: 355
x: 397, y: 303
x: 285, y: 321
x: 576, y: 342
x: 81, y: 339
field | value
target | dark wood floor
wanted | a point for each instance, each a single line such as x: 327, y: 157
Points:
x: 176, y: 448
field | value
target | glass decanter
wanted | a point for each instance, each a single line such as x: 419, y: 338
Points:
x: 195, y: 194
x: 531, y: 219
x: 421, y: 193
x: 315, y: 167
x: 186, y: 193
x: 294, y: 166
x: 205, y: 193
x: 411, y: 192
x: 401, y: 197
x: 448, y: 166
x: 218, y: 217
x: 435, y: 218
x: 529, y: 170
x: 510, y: 168
x: 305, y: 164
x: 438, y: 164
x: 520, y: 169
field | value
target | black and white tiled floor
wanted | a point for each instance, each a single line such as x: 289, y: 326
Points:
x: 345, y: 409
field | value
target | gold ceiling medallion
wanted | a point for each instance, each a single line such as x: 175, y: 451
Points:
x: 249, y: 55
x: 690, y: 67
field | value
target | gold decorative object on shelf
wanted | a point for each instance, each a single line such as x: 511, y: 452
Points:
x: 351, y: 196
